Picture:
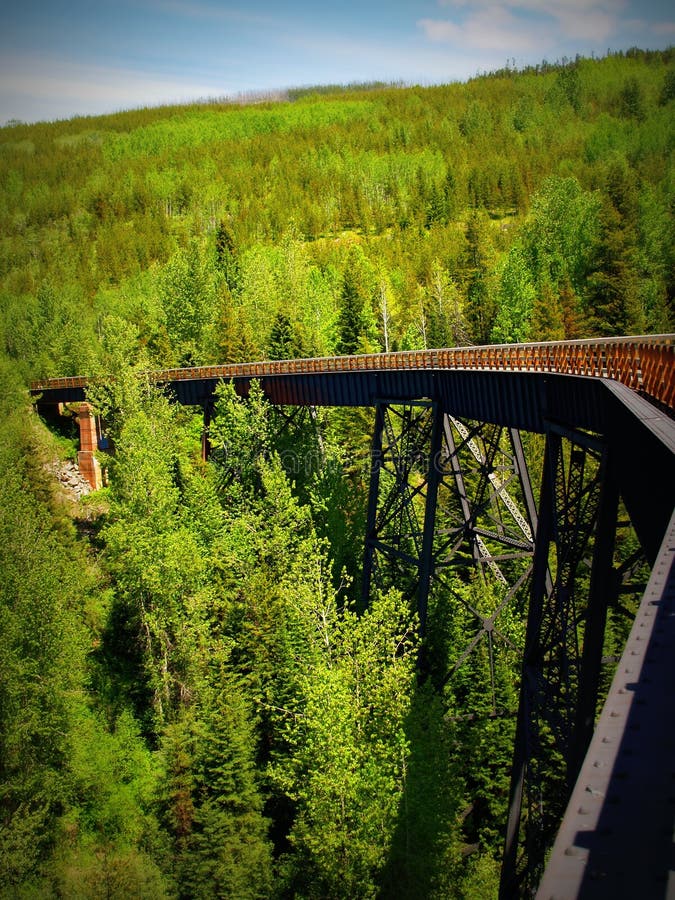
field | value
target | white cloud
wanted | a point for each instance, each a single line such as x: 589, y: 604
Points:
x: 489, y: 29
x: 523, y: 24
x: 660, y: 29
x: 594, y: 22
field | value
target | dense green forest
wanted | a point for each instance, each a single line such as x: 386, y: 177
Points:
x: 193, y: 703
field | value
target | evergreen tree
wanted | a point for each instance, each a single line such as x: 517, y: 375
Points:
x: 480, y: 307
x: 612, y: 293
x: 284, y: 341
x: 631, y: 99
x: 668, y: 88
x: 350, y: 318
x: 548, y: 317
x: 226, y: 257
x: 221, y: 835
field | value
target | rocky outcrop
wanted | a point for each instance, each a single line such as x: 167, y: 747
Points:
x: 68, y: 474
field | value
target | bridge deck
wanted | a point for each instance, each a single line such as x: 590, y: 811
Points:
x: 644, y: 364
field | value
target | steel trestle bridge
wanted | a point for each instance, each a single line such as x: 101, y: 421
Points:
x: 450, y: 486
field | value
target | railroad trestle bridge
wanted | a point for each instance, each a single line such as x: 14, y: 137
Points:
x: 450, y: 485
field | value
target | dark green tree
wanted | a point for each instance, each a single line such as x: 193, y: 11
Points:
x: 632, y: 100
x: 569, y: 84
x: 480, y: 306
x: 667, y: 88
x: 350, y: 318
x: 284, y: 340
x: 215, y: 805
x: 227, y: 261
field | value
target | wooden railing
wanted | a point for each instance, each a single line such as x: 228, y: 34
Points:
x: 645, y: 364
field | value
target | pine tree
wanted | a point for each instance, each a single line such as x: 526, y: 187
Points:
x: 226, y: 851
x: 547, y: 316
x: 350, y: 318
x: 226, y: 257
x: 613, y: 292
x: 480, y: 306
x: 284, y: 341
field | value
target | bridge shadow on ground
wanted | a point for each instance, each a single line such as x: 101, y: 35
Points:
x: 456, y: 780
x: 423, y: 860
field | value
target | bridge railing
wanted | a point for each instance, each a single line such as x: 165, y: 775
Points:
x: 644, y: 363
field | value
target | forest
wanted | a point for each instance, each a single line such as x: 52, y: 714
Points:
x: 194, y: 702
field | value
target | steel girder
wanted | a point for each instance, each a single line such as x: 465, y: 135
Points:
x: 562, y: 656
x: 446, y: 494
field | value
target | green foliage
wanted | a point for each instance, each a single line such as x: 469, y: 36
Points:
x: 240, y: 436
x: 347, y: 774
x: 187, y: 297
x: 668, y: 87
x: 190, y: 704
x: 284, y: 341
x: 350, y: 322
x: 76, y: 793
x: 231, y: 124
x: 203, y: 224
x: 212, y: 805
x: 516, y: 300
x: 631, y: 99
x: 42, y: 659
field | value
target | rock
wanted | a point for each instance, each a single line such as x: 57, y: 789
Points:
x: 70, y: 478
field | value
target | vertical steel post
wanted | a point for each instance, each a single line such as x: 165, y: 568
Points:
x: 373, y: 490
x: 458, y: 475
x: 522, y: 470
x: 426, y: 566
x: 206, y: 443
x: 508, y: 887
x: 602, y: 591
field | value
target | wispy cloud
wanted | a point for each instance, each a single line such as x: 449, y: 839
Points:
x: 56, y: 88
x: 486, y: 29
x: 658, y: 29
x: 523, y: 25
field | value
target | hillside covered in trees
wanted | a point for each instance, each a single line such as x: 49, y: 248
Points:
x: 192, y: 701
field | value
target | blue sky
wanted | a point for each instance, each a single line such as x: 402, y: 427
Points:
x: 60, y: 58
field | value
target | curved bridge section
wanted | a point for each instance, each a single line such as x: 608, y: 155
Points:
x: 605, y: 408
x: 644, y: 364
x: 597, y: 385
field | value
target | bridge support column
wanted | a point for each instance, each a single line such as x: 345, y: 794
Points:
x: 86, y: 459
x: 373, y: 493
x: 206, y: 441
x: 416, y: 534
x: 404, y: 478
x: 603, y: 591
x: 427, y: 565
x: 563, y: 647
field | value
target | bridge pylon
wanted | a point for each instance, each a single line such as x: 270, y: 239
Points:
x: 447, y: 494
x: 573, y: 583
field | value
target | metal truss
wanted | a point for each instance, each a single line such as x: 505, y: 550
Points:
x: 447, y: 494
x: 404, y: 480
x: 486, y: 519
x: 563, y: 648
x: 485, y: 477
